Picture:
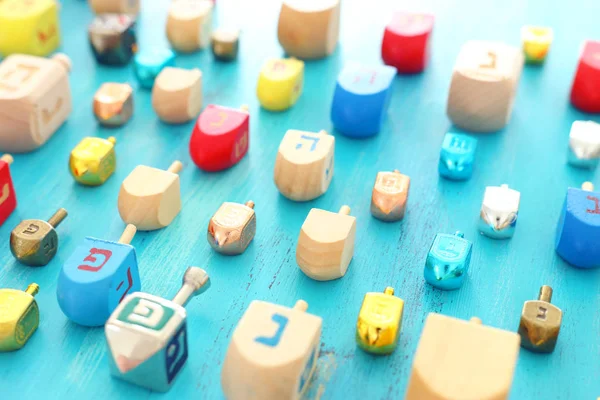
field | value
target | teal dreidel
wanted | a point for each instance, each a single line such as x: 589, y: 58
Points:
x: 448, y: 261
x: 148, y: 63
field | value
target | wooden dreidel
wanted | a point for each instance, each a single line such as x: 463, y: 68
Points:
x: 361, y: 98
x: 499, y: 212
x: 483, y: 86
x: 189, y: 24
x: 309, y: 29
x: 220, y: 138
x: 147, y: 335
x: 177, y: 94
x: 448, y: 261
x: 540, y: 323
x: 8, y: 196
x: 390, y: 193
x: 115, y: 6
x: 225, y: 44
x: 464, y: 360
x: 379, y: 322
x: 457, y: 157
x: 273, y: 353
x: 19, y: 317
x: 304, y: 164
x: 112, y: 38
x: 150, y: 198
x: 585, y: 92
x: 405, y: 44
x: 280, y: 83
x: 113, y: 104
x: 578, y: 228
x: 232, y: 228
x: 34, y: 242
x: 97, y: 277
x: 584, y: 144
x: 35, y: 100
x: 536, y: 41
x: 93, y: 160
x: 326, y: 244
x: 29, y: 27
x: 147, y: 64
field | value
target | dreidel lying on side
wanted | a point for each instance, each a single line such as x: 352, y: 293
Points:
x: 147, y: 335
x: 273, y: 353
x: 326, y: 244
x: 150, y: 198
x: 113, y: 104
x: 19, y: 317
x: 232, y: 228
x: 540, y: 323
x: 379, y: 322
x: 390, y: 193
x: 97, y: 277
x: 93, y: 160
x: 448, y: 261
x: 458, y: 359
x: 280, y: 83
x: 8, y: 196
x: 34, y: 242
x: 499, y: 212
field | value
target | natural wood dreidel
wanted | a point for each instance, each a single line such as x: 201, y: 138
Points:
x: 177, y: 94
x: 232, y: 228
x: 536, y: 41
x: 8, y: 196
x: 35, y: 100
x: 379, y: 322
x: 584, y: 144
x: 189, y: 24
x: 113, y: 104
x: 457, y: 359
x: 499, y: 212
x: 112, y: 39
x: 93, y: 160
x: 225, y: 43
x: 304, y: 164
x: 273, y: 353
x: 585, y: 92
x: 280, y: 83
x: 483, y: 86
x: 390, y: 193
x: 540, y: 323
x: 326, y: 244
x: 150, y: 198
x: 19, y: 318
x: 115, y: 6
x: 405, y: 44
x: 309, y: 29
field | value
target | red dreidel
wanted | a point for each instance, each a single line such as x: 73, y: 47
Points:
x: 8, y: 198
x: 405, y: 44
x: 585, y: 93
x: 220, y: 138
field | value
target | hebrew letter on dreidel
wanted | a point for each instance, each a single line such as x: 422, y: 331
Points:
x: 274, y: 340
x: 92, y: 258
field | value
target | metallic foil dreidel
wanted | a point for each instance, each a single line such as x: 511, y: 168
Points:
x: 457, y: 157
x: 390, y: 193
x: 540, y: 323
x: 34, y: 242
x: 112, y: 39
x: 8, y: 196
x: 232, y: 228
x: 379, y: 322
x: 147, y: 64
x: 19, y: 317
x: 499, y: 212
x: 448, y: 261
x: 584, y: 144
x: 147, y: 335
x: 578, y: 228
x: 224, y: 44
x: 93, y: 160
x: 536, y: 42
x: 273, y: 353
x: 97, y: 277
x: 113, y: 104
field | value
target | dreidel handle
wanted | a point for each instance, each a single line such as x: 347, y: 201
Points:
x: 459, y: 234
x: 112, y: 139
x: 588, y: 186
x: 128, y: 234
x: 504, y: 186
x: 250, y: 204
x: 195, y: 281
x: 244, y: 107
x: 396, y: 171
x: 32, y: 289
x: 58, y: 217
x: 345, y: 210
x: 7, y: 158
x: 63, y: 60
x: 176, y: 167
x: 545, y: 294
x: 389, y: 291
x: 301, y: 305
x: 476, y: 320
x: 322, y: 132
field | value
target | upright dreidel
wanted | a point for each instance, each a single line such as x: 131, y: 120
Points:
x: 499, y: 212
x: 19, y: 317
x: 326, y: 244
x: 379, y: 322
x: 448, y: 261
x: 232, y: 228
x: 147, y: 335
x: 584, y: 144
x: 457, y: 157
x: 97, y: 277
x: 578, y: 228
x: 93, y: 160
x: 389, y: 197
x: 540, y: 323
x: 273, y: 353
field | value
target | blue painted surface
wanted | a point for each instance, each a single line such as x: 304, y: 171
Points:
x: 65, y: 361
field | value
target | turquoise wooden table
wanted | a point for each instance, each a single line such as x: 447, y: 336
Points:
x: 66, y: 361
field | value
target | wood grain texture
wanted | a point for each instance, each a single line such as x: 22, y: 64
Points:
x: 64, y: 361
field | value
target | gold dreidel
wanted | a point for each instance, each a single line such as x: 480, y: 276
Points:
x: 379, y: 322
x: 540, y: 323
x: 19, y: 317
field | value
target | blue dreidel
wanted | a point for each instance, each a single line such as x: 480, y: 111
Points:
x: 97, y: 277
x: 148, y: 63
x: 578, y: 230
x: 361, y: 99
x: 448, y: 261
x: 457, y: 156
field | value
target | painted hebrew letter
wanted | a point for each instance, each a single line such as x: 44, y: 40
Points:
x: 273, y: 341
x: 106, y: 254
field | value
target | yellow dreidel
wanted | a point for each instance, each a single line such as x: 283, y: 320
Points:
x: 19, y: 317
x: 29, y: 27
x: 280, y: 83
x: 379, y: 322
x: 536, y: 43
x: 93, y: 160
